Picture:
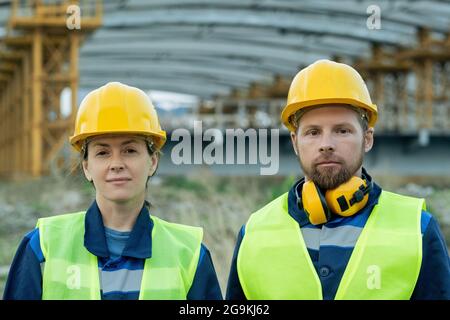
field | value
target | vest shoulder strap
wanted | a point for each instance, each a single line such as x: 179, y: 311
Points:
x: 386, y: 260
x: 170, y: 272
x: 59, y: 227
x: 71, y: 271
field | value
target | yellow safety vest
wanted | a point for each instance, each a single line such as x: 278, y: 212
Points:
x: 71, y: 271
x: 273, y: 261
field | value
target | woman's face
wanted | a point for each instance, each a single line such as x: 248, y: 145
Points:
x: 119, y: 167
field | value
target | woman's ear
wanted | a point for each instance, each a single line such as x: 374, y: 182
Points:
x: 84, y: 164
x: 294, y: 141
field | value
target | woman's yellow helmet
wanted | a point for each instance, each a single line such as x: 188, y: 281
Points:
x: 117, y: 108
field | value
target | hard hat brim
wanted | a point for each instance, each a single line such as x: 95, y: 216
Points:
x: 77, y: 140
x: 294, y: 107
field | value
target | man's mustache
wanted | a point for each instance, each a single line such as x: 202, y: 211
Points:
x: 324, y: 159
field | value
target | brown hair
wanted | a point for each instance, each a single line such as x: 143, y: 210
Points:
x: 363, y: 118
x: 151, y: 149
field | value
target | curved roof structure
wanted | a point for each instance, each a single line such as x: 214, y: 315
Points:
x: 207, y: 47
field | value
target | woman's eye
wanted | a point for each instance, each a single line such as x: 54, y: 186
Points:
x: 101, y: 153
x: 343, y: 131
x: 130, y: 151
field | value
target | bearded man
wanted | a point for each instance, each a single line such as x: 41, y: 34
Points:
x: 336, y: 234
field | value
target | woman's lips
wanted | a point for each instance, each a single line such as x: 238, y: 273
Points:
x: 118, y: 181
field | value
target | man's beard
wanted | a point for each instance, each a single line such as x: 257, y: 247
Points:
x: 328, y: 178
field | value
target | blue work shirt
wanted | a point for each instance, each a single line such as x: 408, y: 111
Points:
x: 120, y: 275
x: 330, y: 246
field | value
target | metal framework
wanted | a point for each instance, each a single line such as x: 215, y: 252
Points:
x: 410, y: 87
x: 39, y: 58
x: 251, y: 40
x: 230, y: 44
x: 237, y: 55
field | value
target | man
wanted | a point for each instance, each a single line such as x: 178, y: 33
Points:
x: 336, y: 234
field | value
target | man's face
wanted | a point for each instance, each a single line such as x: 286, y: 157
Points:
x: 330, y: 144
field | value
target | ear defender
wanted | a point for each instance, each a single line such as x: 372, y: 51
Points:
x: 349, y: 197
x: 345, y: 200
x: 314, y: 203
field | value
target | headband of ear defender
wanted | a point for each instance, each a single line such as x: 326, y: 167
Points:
x: 345, y: 200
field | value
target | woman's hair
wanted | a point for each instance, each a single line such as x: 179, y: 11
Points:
x: 151, y: 149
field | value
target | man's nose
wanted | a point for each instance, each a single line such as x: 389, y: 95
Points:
x: 327, y: 144
x: 326, y: 149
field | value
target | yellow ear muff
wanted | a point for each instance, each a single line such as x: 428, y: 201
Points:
x: 314, y: 203
x: 344, y: 200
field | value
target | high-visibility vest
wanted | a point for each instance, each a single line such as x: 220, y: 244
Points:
x: 273, y: 261
x: 72, y: 272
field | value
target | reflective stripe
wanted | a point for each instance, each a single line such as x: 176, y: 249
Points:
x: 342, y: 236
x: 311, y: 237
x: 122, y: 280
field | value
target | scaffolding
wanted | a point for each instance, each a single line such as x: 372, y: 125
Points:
x: 38, y: 59
x: 409, y: 85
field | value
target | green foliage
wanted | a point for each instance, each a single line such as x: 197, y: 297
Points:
x: 223, y: 185
x: 284, y: 186
x: 39, y: 208
x: 184, y: 183
x: 8, y: 246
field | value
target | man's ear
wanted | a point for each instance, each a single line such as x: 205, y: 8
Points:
x: 84, y: 164
x: 294, y: 141
x: 368, y: 139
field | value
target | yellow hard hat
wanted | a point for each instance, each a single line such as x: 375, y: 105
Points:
x: 117, y: 108
x: 327, y: 82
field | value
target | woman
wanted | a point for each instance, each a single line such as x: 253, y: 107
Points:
x: 116, y: 249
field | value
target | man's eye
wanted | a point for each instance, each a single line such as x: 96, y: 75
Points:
x: 312, y: 132
x: 130, y: 150
x: 343, y: 131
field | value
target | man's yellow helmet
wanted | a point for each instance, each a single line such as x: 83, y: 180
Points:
x: 327, y: 82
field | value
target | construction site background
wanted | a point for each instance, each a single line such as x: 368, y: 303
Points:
x: 41, y: 58
x: 221, y: 205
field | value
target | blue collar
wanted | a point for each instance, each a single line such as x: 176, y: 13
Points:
x: 300, y: 215
x: 139, y: 244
